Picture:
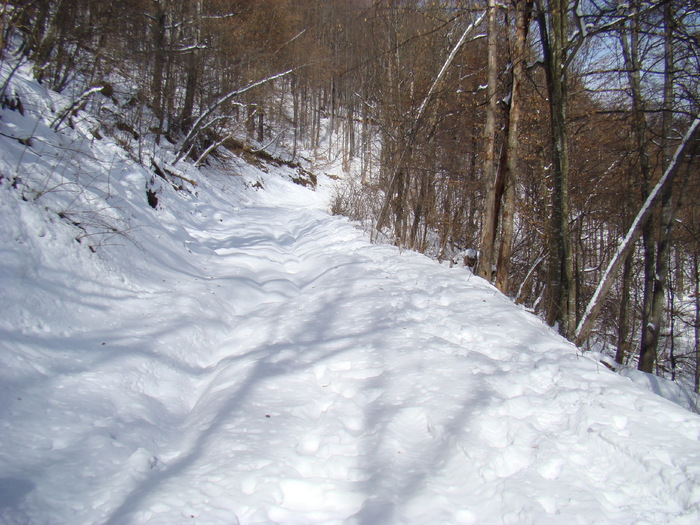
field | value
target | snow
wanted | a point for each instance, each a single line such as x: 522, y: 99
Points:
x: 238, y: 355
x: 671, y: 390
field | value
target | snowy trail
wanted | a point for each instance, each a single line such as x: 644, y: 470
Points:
x: 258, y: 361
x: 239, y: 356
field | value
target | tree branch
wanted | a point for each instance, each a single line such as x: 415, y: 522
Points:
x: 387, y: 199
x: 194, y: 130
x: 596, y: 303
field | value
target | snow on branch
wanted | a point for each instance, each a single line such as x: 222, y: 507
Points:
x: 194, y: 130
x: 75, y: 106
x: 387, y: 199
x: 191, y: 47
x: 448, y: 61
x: 595, y: 304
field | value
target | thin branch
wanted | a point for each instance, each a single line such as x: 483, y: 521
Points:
x: 290, y: 41
x: 194, y: 130
x: 74, y: 107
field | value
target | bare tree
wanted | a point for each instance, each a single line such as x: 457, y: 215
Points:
x: 512, y: 146
x: 490, y: 215
x: 553, y: 22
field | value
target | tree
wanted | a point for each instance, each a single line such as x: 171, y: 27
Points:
x: 654, y: 312
x: 490, y: 215
x: 512, y: 146
x: 553, y: 20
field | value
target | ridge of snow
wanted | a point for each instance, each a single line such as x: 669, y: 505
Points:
x: 240, y: 356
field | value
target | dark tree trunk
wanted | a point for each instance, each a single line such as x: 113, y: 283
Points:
x: 560, y: 307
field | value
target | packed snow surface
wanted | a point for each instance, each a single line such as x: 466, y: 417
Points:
x: 238, y: 355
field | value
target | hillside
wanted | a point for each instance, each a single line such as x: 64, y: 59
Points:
x: 238, y: 355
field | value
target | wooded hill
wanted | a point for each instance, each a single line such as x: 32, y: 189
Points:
x: 527, y: 133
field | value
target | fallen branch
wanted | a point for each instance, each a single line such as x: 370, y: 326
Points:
x: 194, y: 130
x: 162, y: 172
x: 74, y: 107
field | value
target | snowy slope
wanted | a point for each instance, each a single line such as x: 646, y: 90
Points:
x: 240, y: 356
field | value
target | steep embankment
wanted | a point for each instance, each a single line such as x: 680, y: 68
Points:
x: 238, y: 355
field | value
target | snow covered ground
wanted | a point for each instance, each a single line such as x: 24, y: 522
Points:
x: 240, y: 356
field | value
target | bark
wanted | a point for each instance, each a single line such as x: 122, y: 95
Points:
x: 658, y: 280
x: 4, y: 24
x: 490, y: 217
x: 522, y: 19
x: 630, y: 51
x: 190, y: 88
x: 421, y: 207
x: 42, y: 54
x: 648, y: 329
x: 158, y: 35
x: 624, y: 321
x: 193, y: 62
x: 696, y: 271
x: 560, y: 306
x: 506, y: 243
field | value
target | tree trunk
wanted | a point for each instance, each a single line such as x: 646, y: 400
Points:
x: 624, y: 321
x: 624, y: 318
x: 505, y: 246
x: 159, y: 56
x: 696, y: 273
x: 630, y: 51
x: 261, y: 126
x: 192, y: 69
x: 190, y: 88
x: 659, y: 264
x: 560, y: 306
x: 522, y: 22
x: 488, y: 228
x: 42, y: 54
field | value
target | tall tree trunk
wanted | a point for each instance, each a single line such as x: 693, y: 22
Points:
x: 506, y: 243
x: 630, y: 51
x: 560, y: 307
x: 490, y: 217
x: 522, y: 22
x: 158, y: 32
x: 5, y: 25
x: 624, y: 318
x: 192, y: 68
x: 420, y: 208
x: 658, y: 279
x: 624, y: 324
x: 42, y: 53
x: 191, y: 81
x: 696, y: 274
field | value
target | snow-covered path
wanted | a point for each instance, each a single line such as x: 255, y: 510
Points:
x: 246, y: 358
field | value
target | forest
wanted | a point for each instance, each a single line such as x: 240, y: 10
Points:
x: 549, y: 145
